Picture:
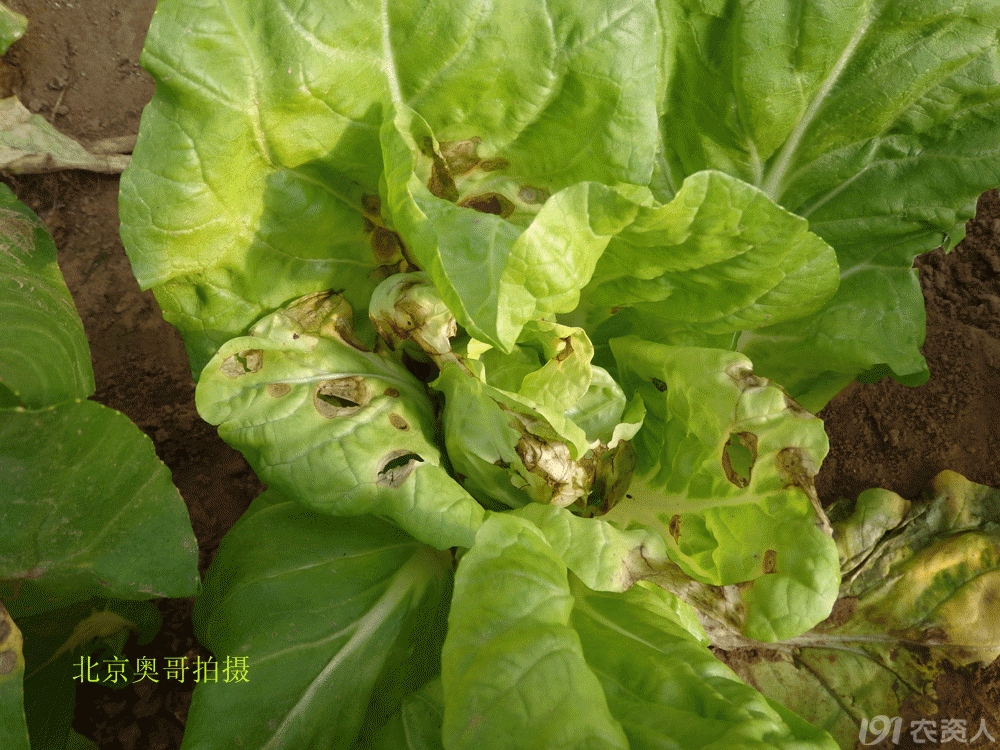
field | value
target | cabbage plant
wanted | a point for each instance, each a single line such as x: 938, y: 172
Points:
x: 523, y: 311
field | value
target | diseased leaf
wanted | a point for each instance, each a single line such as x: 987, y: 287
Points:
x: 337, y: 428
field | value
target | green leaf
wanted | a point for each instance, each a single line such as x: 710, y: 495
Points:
x: 337, y: 428
x: 44, y: 356
x: 12, y: 27
x: 83, y: 516
x: 338, y: 618
x: 513, y: 668
x: 723, y: 527
x: 417, y: 726
x: 876, y: 121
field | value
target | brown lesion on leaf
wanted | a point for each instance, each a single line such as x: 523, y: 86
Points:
x: 398, y: 422
x: 386, y: 245
x: 489, y: 203
x: 339, y: 397
x: 248, y: 360
x: 566, y: 351
x: 770, y: 563
x: 530, y: 194
x: 277, y: 390
x: 659, y: 385
x: 391, y: 392
x: 749, y: 441
x: 453, y: 159
x: 794, y: 467
x: 440, y: 183
x: 674, y: 527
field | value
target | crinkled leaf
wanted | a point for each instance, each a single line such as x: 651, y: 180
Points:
x: 44, y: 356
x: 921, y: 590
x: 719, y: 257
x: 87, y: 510
x: 338, y: 618
x: 30, y: 145
x: 256, y: 174
x: 495, y: 267
x: 334, y: 427
x: 876, y: 121
x: 512, y: 450
x: 725, y: 466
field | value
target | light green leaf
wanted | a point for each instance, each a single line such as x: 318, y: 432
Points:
x: 720, y: 257
x: 256, y: 174
x: 44, y: 356
x: 513, y: 669
x: 338, y: 619
x: 493, y: 273
x: 337, y: 428
x: 725, y: 467
x: 666, y: 689
x: 83, y: 516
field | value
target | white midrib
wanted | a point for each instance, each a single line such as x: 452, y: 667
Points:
x: 402, y: 587
x: 774, y: 183
x: 388, y: 62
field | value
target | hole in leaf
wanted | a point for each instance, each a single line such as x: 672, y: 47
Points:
x: 738, y: 458
x: 396, y: 467
x: 341, y: 396
x: 248, y: 360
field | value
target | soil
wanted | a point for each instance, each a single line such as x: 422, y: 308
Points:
x: 77, y: 65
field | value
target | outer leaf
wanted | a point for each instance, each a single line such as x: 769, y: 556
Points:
x: 877, y: 121
x: 247, y: 184
x: 339, y: 429
x: 724, y: 522
x: 44, y: 357
x: 921, y: 590
x: 82, y: 517
x: 338, y: 619
x: 667, y: 689
x: 513, y: 670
